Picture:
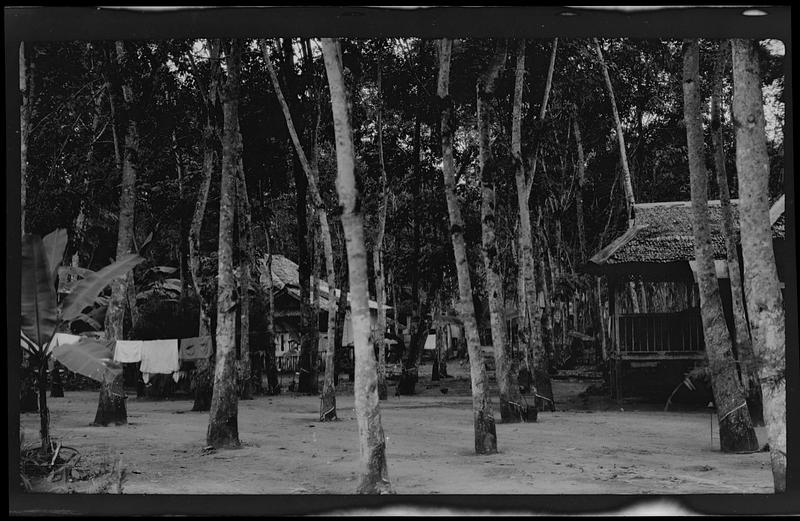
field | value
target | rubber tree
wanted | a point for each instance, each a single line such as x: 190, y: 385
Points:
x: 377, y: 257
x: 328, y: 399
x: 374, y: 471
x: 761, y: 284
x: 741, y: 338
x: 203, y: 379
x: 485, y: 430
x: 111, y: 405
x: 736, y: 433
x: 511, y: 409
x: 223, y: 426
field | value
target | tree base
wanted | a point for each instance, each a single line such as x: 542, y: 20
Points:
x: 406, y: 386
x: 111, y: 406
x: 544, y: 390
x: 383, y: 390
x: 485, y: 433
x: 327, y: 407
x: 736, y: 433
x: 375, y: 478
x: 511, y: 412
x: 223, y: 433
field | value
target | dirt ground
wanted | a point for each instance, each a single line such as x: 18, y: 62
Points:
x: 589, y: 446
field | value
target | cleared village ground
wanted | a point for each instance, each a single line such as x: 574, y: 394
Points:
x: 589, y: 446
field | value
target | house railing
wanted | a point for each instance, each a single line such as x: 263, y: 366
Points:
x: 680, y: 332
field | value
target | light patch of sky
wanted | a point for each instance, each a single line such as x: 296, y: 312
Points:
x: 773, y: 112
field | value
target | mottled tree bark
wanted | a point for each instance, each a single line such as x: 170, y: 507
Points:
x: 761, y: 285
x: 246, y: 258
x: 741, y: 339
x: 736, y: 431
x: 541, y: 372
x: 485, y: 431
x: 374, y: 472
x: 203, y: 378
x: 328, y: 399
x: 111, y: 409
x: 26, y: 90
x: 380, y: 289
x: 511, y: 409
x: 223, y: 426
x: 581, y: 181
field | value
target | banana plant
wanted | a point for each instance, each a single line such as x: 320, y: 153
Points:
x: 42, y: 317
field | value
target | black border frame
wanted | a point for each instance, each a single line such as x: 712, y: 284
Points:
x: 96, y: 23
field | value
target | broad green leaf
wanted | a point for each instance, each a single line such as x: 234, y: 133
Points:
x: 90, y: 357
x: 38, y: 295
x: 86, y: 291
x: 54, y: 244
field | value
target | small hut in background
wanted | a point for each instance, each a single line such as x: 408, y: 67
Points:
x: 659, y: 337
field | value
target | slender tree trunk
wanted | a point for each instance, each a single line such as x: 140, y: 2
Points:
x: 25, y: 113
x: 511, y: 409
x: 203, y: 379
x: 541, y: 373
x: 374, y: 472
x: 736, y: 431
x: 223, y: 426
x: 272, y: 366
x: 341, y: 315
x: 741, y: 340
x: 380, y: 289
x: 485, y: 431
x: 762, y: 290
x: 44, y: 412
x: 328, y: 399
x: 627, y: 180
x: 246, y: 258
x: 111, y: 408
x: 581, y: 181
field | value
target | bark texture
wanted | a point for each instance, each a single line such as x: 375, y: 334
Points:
x: 203, y: 378
x: 511, y: 409
x: 374, y: 471
x: 485, y: 430
x: 223, y: 426
x: 380, y: 288
x: 761, y: 285
x: 741, y: 339
x: 116, y: 305
x: 328, y: 399
x: 736, y: 431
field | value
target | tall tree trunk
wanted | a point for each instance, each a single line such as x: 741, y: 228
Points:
x: 408, y: 376
x: 741, y: 341
x: 511, y: 409
x: 541, y: 373
x: 374, y: 472
x: 272, y: 366
x: 762, y: 290
x: 246, y: 259
x: 25, y: 90
x: 581, y: 181
x: 380, y: 289
x: 223, y: 426
x: 111, y: 408
x: 736, y: 431
x: 203, y: 379
x: 328, y: 403
x: 627, y: 181
x: 341, y: 315
x: 485, y: 431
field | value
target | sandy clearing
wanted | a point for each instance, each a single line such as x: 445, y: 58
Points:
x: 638, y: 450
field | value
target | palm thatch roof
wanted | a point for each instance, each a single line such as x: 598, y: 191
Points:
x: 662, y: 234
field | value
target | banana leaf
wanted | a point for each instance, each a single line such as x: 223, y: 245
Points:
x: 86, y: 291
x: 54, y: 244
x: 90, y: 357
x: 38, y: 295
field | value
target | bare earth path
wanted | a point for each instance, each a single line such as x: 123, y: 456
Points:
x: 286, y: 450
